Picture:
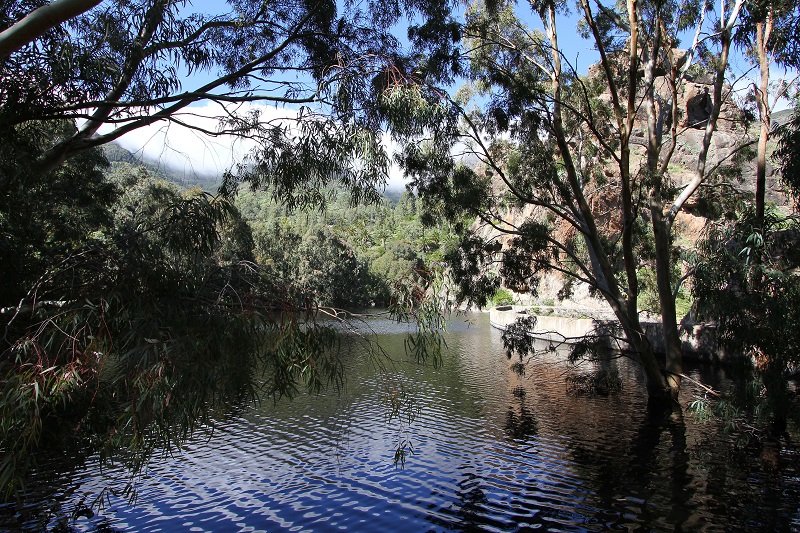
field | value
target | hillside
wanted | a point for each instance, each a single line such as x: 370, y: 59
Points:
x: 117, y: 154
x: 780, y: 117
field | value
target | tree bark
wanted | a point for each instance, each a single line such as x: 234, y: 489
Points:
x: 39, y: 21
x: 661, y: 227
x: 669, y: 319
x: 658, y: 390
x: 763, y: 31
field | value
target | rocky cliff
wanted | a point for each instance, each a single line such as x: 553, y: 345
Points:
x: 695, y: 101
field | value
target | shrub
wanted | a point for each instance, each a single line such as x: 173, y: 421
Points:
x: 502, y: 297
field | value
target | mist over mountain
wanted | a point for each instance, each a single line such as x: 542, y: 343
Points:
x: 117, y: 154
x: 206, y: 181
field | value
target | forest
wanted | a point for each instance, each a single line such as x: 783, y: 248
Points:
x: 132, y: 307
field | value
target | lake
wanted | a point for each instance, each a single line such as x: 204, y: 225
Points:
x: 485, y: 450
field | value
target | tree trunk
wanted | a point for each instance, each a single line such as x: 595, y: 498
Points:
x: 661, y: 227
x: 39, y: 21
x: 666, y: 299
x: 658, y: 390
x: 763, y: 30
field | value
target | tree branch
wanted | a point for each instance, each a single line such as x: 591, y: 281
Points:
x: 700, y: 172
x: 39, y: 21
x: 84, y: 140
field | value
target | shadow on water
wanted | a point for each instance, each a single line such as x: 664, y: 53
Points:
x: 520, y: 421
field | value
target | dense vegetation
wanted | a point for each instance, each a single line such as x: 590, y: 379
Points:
x: 131, y: 309
x: 605, y: 166
x: 347, y: 256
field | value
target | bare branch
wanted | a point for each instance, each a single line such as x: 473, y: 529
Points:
x: 700, y: 171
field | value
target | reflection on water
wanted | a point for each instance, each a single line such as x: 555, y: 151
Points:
x: 492, y: 452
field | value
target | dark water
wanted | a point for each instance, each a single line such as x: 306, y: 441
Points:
x: 491, y: 452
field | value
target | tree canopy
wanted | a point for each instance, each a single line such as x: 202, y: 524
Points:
x: 129, y: 309
x: 128, y: 64
x: 584, y: 175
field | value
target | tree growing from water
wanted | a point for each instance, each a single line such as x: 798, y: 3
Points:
x: 588, y: 160
x: 745, y: 277
x: 746, y: 280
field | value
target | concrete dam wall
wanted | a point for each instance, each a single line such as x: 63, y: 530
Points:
x: 699, y: 341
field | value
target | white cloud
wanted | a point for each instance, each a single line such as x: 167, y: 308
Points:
x: 191, y: 152
x: 396, y: 178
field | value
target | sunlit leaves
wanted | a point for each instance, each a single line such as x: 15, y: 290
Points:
x: 413, y: 110
x: 297, y: 164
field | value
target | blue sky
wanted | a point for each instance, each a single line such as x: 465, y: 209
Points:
x: 189, y: 152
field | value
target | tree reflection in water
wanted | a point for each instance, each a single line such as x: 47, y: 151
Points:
x: 492, y: 451
x: 520, y: 422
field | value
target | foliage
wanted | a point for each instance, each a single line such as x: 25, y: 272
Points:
x: 419, y: 298
x: 502, y: 297
x: 747, y: 281
x: 375, y: 245
x: 138, y: 333
x: 783, y: 17
x: 125, y: 63
x: 788, y: 155
x: 329, y: 266
x: 43, y: 219
x: 573, y: 172
x: 517, y: 338
x: 130, y: 310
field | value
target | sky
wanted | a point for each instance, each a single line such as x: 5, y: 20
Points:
x: 189, y: 152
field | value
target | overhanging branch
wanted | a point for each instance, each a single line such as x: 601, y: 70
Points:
x: 39, y: 22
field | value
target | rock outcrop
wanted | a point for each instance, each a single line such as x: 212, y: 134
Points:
x: 694, y: 102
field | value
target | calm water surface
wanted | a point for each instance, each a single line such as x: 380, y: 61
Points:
x: 492, y: 451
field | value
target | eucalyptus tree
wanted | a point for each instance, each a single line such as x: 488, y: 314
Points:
x: 588, y: 158
x: 132, y: 310
x: 131, y: 64
x: 39, y: 21
x: 745, y: 278
x: 768, y: 36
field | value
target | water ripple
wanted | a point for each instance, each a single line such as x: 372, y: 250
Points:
x: 492, y: 451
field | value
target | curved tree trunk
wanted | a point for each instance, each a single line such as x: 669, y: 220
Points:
x: 39, y: 21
